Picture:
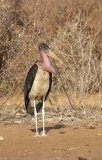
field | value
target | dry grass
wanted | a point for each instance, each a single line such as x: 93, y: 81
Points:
x: 72, y: 29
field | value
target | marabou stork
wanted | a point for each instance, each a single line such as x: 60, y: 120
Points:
x: 38, y: 83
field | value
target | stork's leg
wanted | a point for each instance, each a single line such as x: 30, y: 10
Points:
x: 36, y: 121
x: 43, y: 115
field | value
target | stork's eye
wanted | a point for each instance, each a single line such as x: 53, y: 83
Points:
x: 40, y: 47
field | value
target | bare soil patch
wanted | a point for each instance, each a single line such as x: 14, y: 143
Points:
x: 72, y: 140
x: 68, y: 137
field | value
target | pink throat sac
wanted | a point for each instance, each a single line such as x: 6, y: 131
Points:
x: 46, y: 63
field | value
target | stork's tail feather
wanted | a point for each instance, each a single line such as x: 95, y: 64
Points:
x: 30, y: 109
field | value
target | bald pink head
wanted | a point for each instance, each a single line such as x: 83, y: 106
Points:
x: 45, y: 60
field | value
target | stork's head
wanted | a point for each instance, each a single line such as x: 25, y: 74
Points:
x: 45, y: 48
x: 46, y: 53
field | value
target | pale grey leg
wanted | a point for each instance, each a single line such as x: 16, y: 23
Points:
x: 43, y: 115
x: 36, y: 121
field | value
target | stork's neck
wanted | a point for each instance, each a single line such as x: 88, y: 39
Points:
x: 46, y: 63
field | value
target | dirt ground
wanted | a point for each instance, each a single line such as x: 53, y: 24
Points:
x: 68, y: 138
x: 62, y: 142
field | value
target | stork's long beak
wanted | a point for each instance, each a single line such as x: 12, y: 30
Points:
x: 52, y: 55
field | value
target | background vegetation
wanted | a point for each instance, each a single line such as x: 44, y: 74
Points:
x: 72, y: 28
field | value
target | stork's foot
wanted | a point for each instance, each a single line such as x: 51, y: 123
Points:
x: 44, y: 134
x: 37, y: 135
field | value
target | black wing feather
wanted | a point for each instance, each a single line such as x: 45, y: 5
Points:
x: 29, y: 82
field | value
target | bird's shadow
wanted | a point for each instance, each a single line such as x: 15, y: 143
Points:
x: 47, y: 129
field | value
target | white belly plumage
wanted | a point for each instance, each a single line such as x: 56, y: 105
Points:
x: 40, y: 85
